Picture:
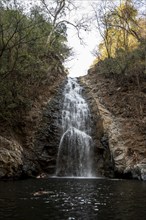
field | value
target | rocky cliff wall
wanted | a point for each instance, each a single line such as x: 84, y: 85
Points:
x: 32, y: 149
x: 118, y: 133
x: 48, y: 135
x: 122, y: 124
x: 21, y: 152
x: 102, y: 156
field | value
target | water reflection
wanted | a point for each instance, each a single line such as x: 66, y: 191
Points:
x: 69, y: 199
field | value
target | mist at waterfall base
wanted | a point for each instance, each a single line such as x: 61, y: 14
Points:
x: 75, y: 153
x: 73, y: 199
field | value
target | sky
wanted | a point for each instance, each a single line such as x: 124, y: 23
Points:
x: 83, y: 57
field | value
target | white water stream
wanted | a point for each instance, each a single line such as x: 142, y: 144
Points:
x: 75, y: 149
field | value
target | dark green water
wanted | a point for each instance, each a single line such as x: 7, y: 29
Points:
x: 70, y: 199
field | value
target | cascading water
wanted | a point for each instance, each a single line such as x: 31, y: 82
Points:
x: 76, y: 146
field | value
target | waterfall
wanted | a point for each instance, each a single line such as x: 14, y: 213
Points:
x: 76, y: 145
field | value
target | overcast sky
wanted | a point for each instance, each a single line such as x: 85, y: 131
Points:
x: 83, y: 57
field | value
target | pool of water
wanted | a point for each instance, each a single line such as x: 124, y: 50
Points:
x: 73, y: 199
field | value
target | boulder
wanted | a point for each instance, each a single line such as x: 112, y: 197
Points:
x: 10, y: 158
x: 140, y: 170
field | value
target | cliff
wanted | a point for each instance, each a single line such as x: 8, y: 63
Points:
x: 122, y: 107
x: 118, y: 129
x: 20, y: 155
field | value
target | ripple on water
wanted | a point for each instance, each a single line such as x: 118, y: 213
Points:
x: 73, y: 199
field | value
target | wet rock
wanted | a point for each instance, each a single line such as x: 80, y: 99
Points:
x: 48, y: 136
x: 102, y: 153
x: 139, y: 170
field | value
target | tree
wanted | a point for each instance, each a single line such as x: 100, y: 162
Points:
x: 101, y: 16
x: 58, y: 14
x: 24, y: 57
x: 118, y: 26
x: 124, y: 18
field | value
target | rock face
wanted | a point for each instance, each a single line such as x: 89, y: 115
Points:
x: 24, y: 149
x: 125, y: 132
x: 41, y: 154
x: 41, y: 148
x: 48, y: 136
x: 103, y: 158
x: 119, y: 135
x: 11, y: 161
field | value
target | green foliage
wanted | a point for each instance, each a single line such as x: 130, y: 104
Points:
x: 126, y: 64
x: 25, y: 56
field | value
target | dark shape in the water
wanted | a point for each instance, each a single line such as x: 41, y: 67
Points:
x: 40, y: 192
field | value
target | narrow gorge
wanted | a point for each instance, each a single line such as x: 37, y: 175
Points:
x: 73, y: 133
